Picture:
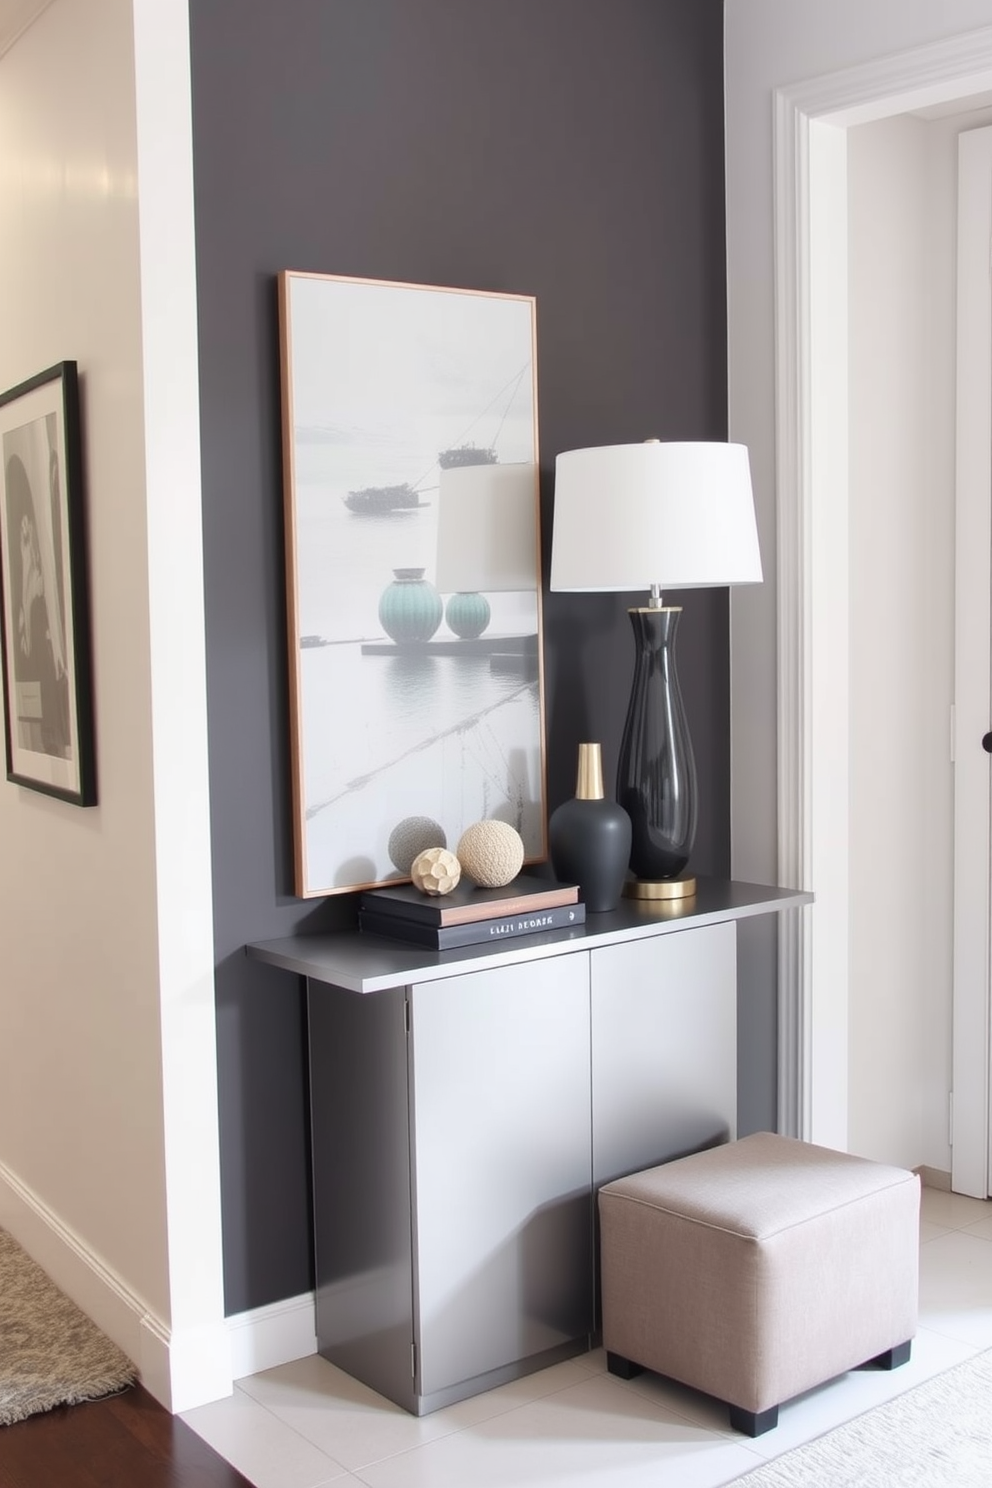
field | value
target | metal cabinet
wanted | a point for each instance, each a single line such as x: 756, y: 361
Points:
x: 466, y: 1108
x: 362, y: 1193
x: 664, y: 1049
x: 499, y: 1076
x: 461, y: 1129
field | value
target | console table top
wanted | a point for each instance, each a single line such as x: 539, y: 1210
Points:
x: 360, y: 962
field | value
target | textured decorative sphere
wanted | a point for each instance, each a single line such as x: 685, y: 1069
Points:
x: 435, y: 871
x: 491, y: 853
x: 412, y: 836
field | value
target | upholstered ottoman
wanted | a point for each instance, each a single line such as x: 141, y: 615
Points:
x: 756, y: 1270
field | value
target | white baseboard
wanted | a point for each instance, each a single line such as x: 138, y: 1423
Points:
x: 934, y: 1178
x: 185, y: 1367
x: 82, y: 1275
x: 269, y: 1336
x: 182, y: 1369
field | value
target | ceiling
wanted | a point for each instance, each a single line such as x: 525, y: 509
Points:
x: 15, y: 17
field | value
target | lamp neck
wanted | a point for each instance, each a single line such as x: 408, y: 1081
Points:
x: 654, y: 603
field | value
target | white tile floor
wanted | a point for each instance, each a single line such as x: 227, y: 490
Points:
x: 306, y: 1424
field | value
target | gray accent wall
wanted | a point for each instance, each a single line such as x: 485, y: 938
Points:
x: 569, y: 149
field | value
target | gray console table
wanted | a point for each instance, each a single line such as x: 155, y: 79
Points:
x: 465, y: 1115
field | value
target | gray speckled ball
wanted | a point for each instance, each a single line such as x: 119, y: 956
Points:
x: 412, y: 836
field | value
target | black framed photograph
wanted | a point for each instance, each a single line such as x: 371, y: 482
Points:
x: 44, y: 592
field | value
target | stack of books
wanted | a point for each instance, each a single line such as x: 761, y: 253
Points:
x: 470, y: 915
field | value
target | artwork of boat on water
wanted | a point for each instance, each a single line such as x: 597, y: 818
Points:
x: 465, y: 454
x: 374, y: 500
x: 390, y: 386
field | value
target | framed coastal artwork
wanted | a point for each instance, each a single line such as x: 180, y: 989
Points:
x: 44, y: 609
x: 413, y: 572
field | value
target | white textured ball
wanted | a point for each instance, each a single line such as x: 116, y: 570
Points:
x: 435, y: 871
x: 491, y: 853
x: 412, y: 836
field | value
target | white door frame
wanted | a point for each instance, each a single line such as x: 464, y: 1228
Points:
x: 972, y: 666
x: 811, y: 120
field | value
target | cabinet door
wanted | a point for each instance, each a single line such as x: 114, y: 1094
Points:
x: 361, y: 1190
x: 664, y: 1048
x: 502, y: 1169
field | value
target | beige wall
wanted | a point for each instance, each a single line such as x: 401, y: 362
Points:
x: 108, y: 1128
x: 80, y: 1100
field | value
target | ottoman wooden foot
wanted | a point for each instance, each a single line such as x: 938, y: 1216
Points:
x: 754, y: 1423
x: 892, y: 1358
x: 621, y: 1367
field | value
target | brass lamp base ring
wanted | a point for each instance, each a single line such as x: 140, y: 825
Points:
x: 682, y: 887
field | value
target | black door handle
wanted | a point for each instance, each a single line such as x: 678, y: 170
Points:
x: 987, y: 743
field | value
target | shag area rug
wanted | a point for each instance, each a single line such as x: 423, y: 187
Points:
x: 50, y: 1352
x: 937, y: 1435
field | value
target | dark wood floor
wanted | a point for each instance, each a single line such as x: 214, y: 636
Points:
x: 127, y: 1441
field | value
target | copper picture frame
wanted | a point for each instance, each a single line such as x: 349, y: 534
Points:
x: 411, y: 500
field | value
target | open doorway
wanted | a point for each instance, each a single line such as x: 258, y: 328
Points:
x: 844, y: 1050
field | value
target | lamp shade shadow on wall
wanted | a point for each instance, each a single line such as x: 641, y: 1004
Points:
x: 655, y: 516
x: 486, y: 539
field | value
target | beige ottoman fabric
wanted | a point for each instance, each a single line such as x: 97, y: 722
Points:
x: 758, y: 1269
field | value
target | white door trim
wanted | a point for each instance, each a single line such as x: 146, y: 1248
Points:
x: 972, y: 668
x: 812, y: 616
x: 810, y: 126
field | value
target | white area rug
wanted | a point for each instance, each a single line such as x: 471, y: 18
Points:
x: 50, y: 1352
x: 938, y: 1435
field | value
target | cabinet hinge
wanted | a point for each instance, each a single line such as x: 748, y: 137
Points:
x: 953, y: 731
x: 413, y: 1361
x: 950, y: 1118
x: 406, y: 1016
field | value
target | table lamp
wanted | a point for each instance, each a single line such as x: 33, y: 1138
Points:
x: 655, y: 516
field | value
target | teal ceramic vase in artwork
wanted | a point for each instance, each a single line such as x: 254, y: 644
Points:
x: 467, y: 615
x: 410, y: 609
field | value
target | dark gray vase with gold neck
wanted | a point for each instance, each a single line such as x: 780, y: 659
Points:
x: 589, y: 837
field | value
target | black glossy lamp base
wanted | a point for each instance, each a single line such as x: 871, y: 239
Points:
x: 656, y: 773
x: 682, y: 887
